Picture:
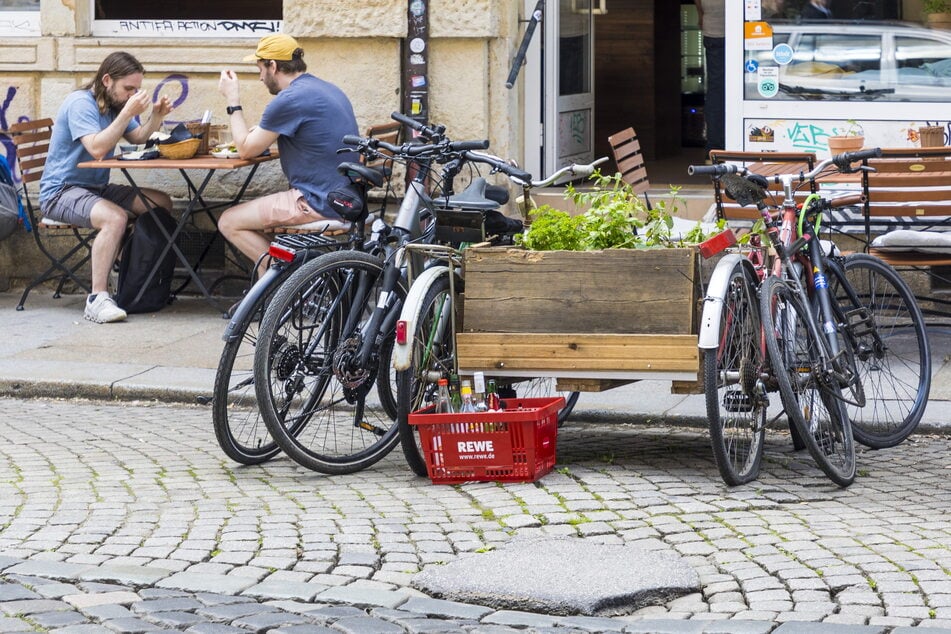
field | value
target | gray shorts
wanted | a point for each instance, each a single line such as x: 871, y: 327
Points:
x: 73, y: 204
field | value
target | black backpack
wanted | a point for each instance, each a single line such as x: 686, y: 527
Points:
x: 139, y: 255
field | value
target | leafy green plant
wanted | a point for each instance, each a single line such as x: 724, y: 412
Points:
x: 936, y: 6
x: 617, y: 218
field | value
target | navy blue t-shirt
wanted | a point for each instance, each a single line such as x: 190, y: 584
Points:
x: 312, y: 116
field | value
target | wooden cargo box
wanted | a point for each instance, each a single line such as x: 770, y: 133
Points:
x: 619, y: 314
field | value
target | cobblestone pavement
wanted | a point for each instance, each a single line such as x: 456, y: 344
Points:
x: 128, y: 518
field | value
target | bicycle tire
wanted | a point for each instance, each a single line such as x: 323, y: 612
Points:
x: 735, y: 393
x: 892, y: 350
x: 315, y: 407
x: 433, y: 355
x: 820, y: 417
x: 239, y: 426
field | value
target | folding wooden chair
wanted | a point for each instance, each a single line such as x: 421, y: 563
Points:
x: 630, y: 162
x: 32, y: 141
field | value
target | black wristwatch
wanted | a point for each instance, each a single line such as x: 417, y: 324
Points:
x: 233, y: 109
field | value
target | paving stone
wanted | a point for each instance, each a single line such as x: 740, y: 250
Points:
x: 662, y: 626
x: 736, y: 626
x: 166, y: 605
x: 9, y: 625
x: 16, y: 592
x: 231, y: 611
x: 284, y: 590
x: 8, y: 562
x: 827, y: 628
x: 84, y: 628
x: 366, y: 625
x: 196, y: 582
x: 309, y: 628
x: 33, y: 606
x: 48, y: 569
x: 329, y: 614
x: 174, y: 619
x: 268, y: 620
x: 362, y: 598
x: 83, y: 601
x: 216, y: 628
x: 127, y: 575
x: 516, y: 618
x: 443, y: 608
x: 52, y: 620
x: 131, y: 625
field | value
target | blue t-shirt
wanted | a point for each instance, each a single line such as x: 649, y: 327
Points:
x: 78, y: 116
x: 312, y: 116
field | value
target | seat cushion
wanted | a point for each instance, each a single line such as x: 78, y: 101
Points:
x: 908, y: 240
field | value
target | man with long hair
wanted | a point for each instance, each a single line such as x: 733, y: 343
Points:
x: 89, y: 124
x: 307, y: 118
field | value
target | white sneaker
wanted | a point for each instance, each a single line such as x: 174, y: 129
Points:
x: 103, y: 309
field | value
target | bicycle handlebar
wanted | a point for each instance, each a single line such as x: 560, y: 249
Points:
x: 499, y: 164
x: 842, y: 161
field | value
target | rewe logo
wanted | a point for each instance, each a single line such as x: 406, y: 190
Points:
x: 474, y: 446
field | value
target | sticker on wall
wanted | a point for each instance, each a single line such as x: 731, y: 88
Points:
x: 418, y: 81
x: 761, y: 134
x: 757, y: 36
x: 417, y: 8
x: 751, y: 65
x: 782, y: 53
x: 417, y: 45
x: 767, y: 81
x: 753, y: 10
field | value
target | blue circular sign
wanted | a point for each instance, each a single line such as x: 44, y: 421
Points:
x: 751, y: 65
x: 782, y: 54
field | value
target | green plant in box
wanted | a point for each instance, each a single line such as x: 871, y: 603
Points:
x: 616, y: 218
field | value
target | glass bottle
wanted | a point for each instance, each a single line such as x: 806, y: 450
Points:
x: 478, y: 392
x: 492, y: 401
x: 468, y: 406
x: 454, y: 392
x: 443, y: 401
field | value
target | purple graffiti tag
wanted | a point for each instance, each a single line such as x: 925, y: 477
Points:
x: 182, y: 81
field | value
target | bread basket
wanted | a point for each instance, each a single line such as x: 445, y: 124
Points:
x: 181, y: 150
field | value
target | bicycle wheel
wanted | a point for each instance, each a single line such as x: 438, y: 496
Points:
x: 794, y: 356
x: 735, y: 393
x: 433, y: 356
x: 887, y: 331
x: 315, y: 397
x: 539, y: 388
x: 238, y: 424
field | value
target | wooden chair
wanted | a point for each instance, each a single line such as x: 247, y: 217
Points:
x: 32, y: 141
x: 767, y: 164
x: 630, y: 162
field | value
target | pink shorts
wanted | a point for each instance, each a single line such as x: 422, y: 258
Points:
x: 285, y: 209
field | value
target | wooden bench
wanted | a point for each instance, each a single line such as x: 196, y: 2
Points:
x: 908, y: 209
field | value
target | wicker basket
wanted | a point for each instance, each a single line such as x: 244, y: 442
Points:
x: 181, y: 150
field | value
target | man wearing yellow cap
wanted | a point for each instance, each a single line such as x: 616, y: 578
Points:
x: 307, y: 118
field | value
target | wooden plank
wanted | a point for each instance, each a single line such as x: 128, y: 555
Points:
x: 588, y: 385
x: 609, y: 292
x: 563, y: 352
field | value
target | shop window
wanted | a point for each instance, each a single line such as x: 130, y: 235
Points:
x: 178, y: 18
x: 20, y: 18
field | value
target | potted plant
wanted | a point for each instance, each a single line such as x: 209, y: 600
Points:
x: 850, y: 140
x: 937, y: 13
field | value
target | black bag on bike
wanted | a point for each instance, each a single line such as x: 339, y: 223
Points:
x: 349, y: 201
x: 139, y: 255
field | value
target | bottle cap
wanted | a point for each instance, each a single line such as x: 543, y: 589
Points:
x: 442, y: 382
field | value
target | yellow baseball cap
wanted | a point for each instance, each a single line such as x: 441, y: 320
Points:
x: 278, y: 46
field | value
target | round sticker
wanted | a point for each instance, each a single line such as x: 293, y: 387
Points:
x: 417, y: 7
x: 782, y: 54
x: 417, y: 45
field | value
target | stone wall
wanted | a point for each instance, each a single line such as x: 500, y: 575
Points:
x: 355, y: 45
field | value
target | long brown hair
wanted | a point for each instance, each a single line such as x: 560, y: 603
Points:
x: 117, y: 65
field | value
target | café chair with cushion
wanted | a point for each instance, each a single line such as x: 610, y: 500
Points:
x: 67, y: 247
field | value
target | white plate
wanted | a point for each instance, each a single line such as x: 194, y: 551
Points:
x: 224, y: 154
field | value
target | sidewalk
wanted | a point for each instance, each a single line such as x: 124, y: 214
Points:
x: 48, y: 349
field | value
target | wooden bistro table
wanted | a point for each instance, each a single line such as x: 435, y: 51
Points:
x: 205, y: 166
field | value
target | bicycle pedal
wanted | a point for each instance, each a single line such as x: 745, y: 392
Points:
x: 860, y: 321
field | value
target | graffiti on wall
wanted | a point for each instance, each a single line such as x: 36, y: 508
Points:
x: 185, y: 28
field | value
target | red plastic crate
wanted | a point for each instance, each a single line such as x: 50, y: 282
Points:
x: 516, y: 444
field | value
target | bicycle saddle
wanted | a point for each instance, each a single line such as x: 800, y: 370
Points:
x: 473, y: 198
x: 361, y: 172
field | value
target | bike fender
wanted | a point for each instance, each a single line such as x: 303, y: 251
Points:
x: 402, y: 353
x: 709, y: 337
x: 241, y: 312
